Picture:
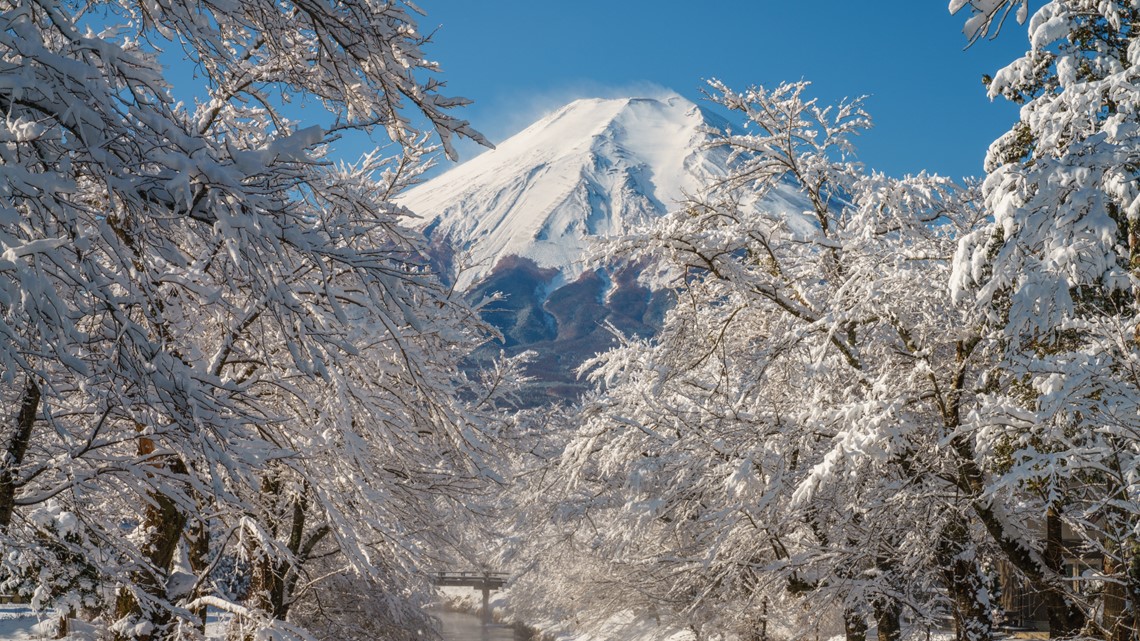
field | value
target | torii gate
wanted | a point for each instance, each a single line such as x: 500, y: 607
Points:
x: 483, y: 581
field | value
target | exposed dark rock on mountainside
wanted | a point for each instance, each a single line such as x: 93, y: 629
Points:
x: 567, y: 326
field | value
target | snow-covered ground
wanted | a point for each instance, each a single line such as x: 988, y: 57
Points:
x: 619, y: 628
x: 21, y: 623
x: 18, y: 622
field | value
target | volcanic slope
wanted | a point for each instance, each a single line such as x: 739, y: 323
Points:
x: 521, y: 220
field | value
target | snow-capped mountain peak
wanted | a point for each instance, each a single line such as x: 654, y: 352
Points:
x: 594, y: 167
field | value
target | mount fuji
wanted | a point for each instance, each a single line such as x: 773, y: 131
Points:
x: 520, y: 220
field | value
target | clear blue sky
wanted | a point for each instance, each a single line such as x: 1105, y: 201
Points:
x: 519, y: 58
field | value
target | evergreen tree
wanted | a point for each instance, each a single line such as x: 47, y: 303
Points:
x: 1058, y: 275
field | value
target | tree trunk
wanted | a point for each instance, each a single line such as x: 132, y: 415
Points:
x: 1134, y: 587
x: 268, y: 587
x: 756, y: 629
x: 887, y: 618
x: 886, y: 608
x: 963, y: 583
x: 854, y: 625
x: 16, y: 450
x: 163, y: 522
x: 273, y: 580
x: 1119, y: 596
x: 198, y: 552
x: 971, y: 481
x: 1065, y: 619
x: 1117, y: 620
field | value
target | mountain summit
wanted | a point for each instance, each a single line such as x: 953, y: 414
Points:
x: 595, y: 167
x: 521, y: 219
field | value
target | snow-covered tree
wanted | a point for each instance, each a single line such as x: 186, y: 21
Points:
x: 223, y: 354
x: 1056, y: 272
x: 791, y: 435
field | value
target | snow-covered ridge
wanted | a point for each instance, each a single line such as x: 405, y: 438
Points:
x: 595, y: 167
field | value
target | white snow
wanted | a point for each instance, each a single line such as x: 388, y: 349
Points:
x: 624, y: 627
x: 18, y: 622
x: 592, y: 168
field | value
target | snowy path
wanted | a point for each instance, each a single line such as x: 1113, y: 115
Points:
x: 460, y: 626
x: 17, y: 623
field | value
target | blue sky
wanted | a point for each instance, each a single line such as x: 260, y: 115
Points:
x: 520, y: 58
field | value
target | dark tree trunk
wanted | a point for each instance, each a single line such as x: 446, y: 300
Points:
x: 198, y: 551
x: 1119, y: 597
x: 886, y: 608
x: 1134, y: 588
x: 266, y: 588
x: 757, y: 628
x: 854, y: 625
x: 1117, y: 618
x: 273, y: 580
x: 963, y: 583
x: 970, y: 480
x: 1065, y: 619
x: 16, y: 450
x: 887, y: 618
x: 164, y: 524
